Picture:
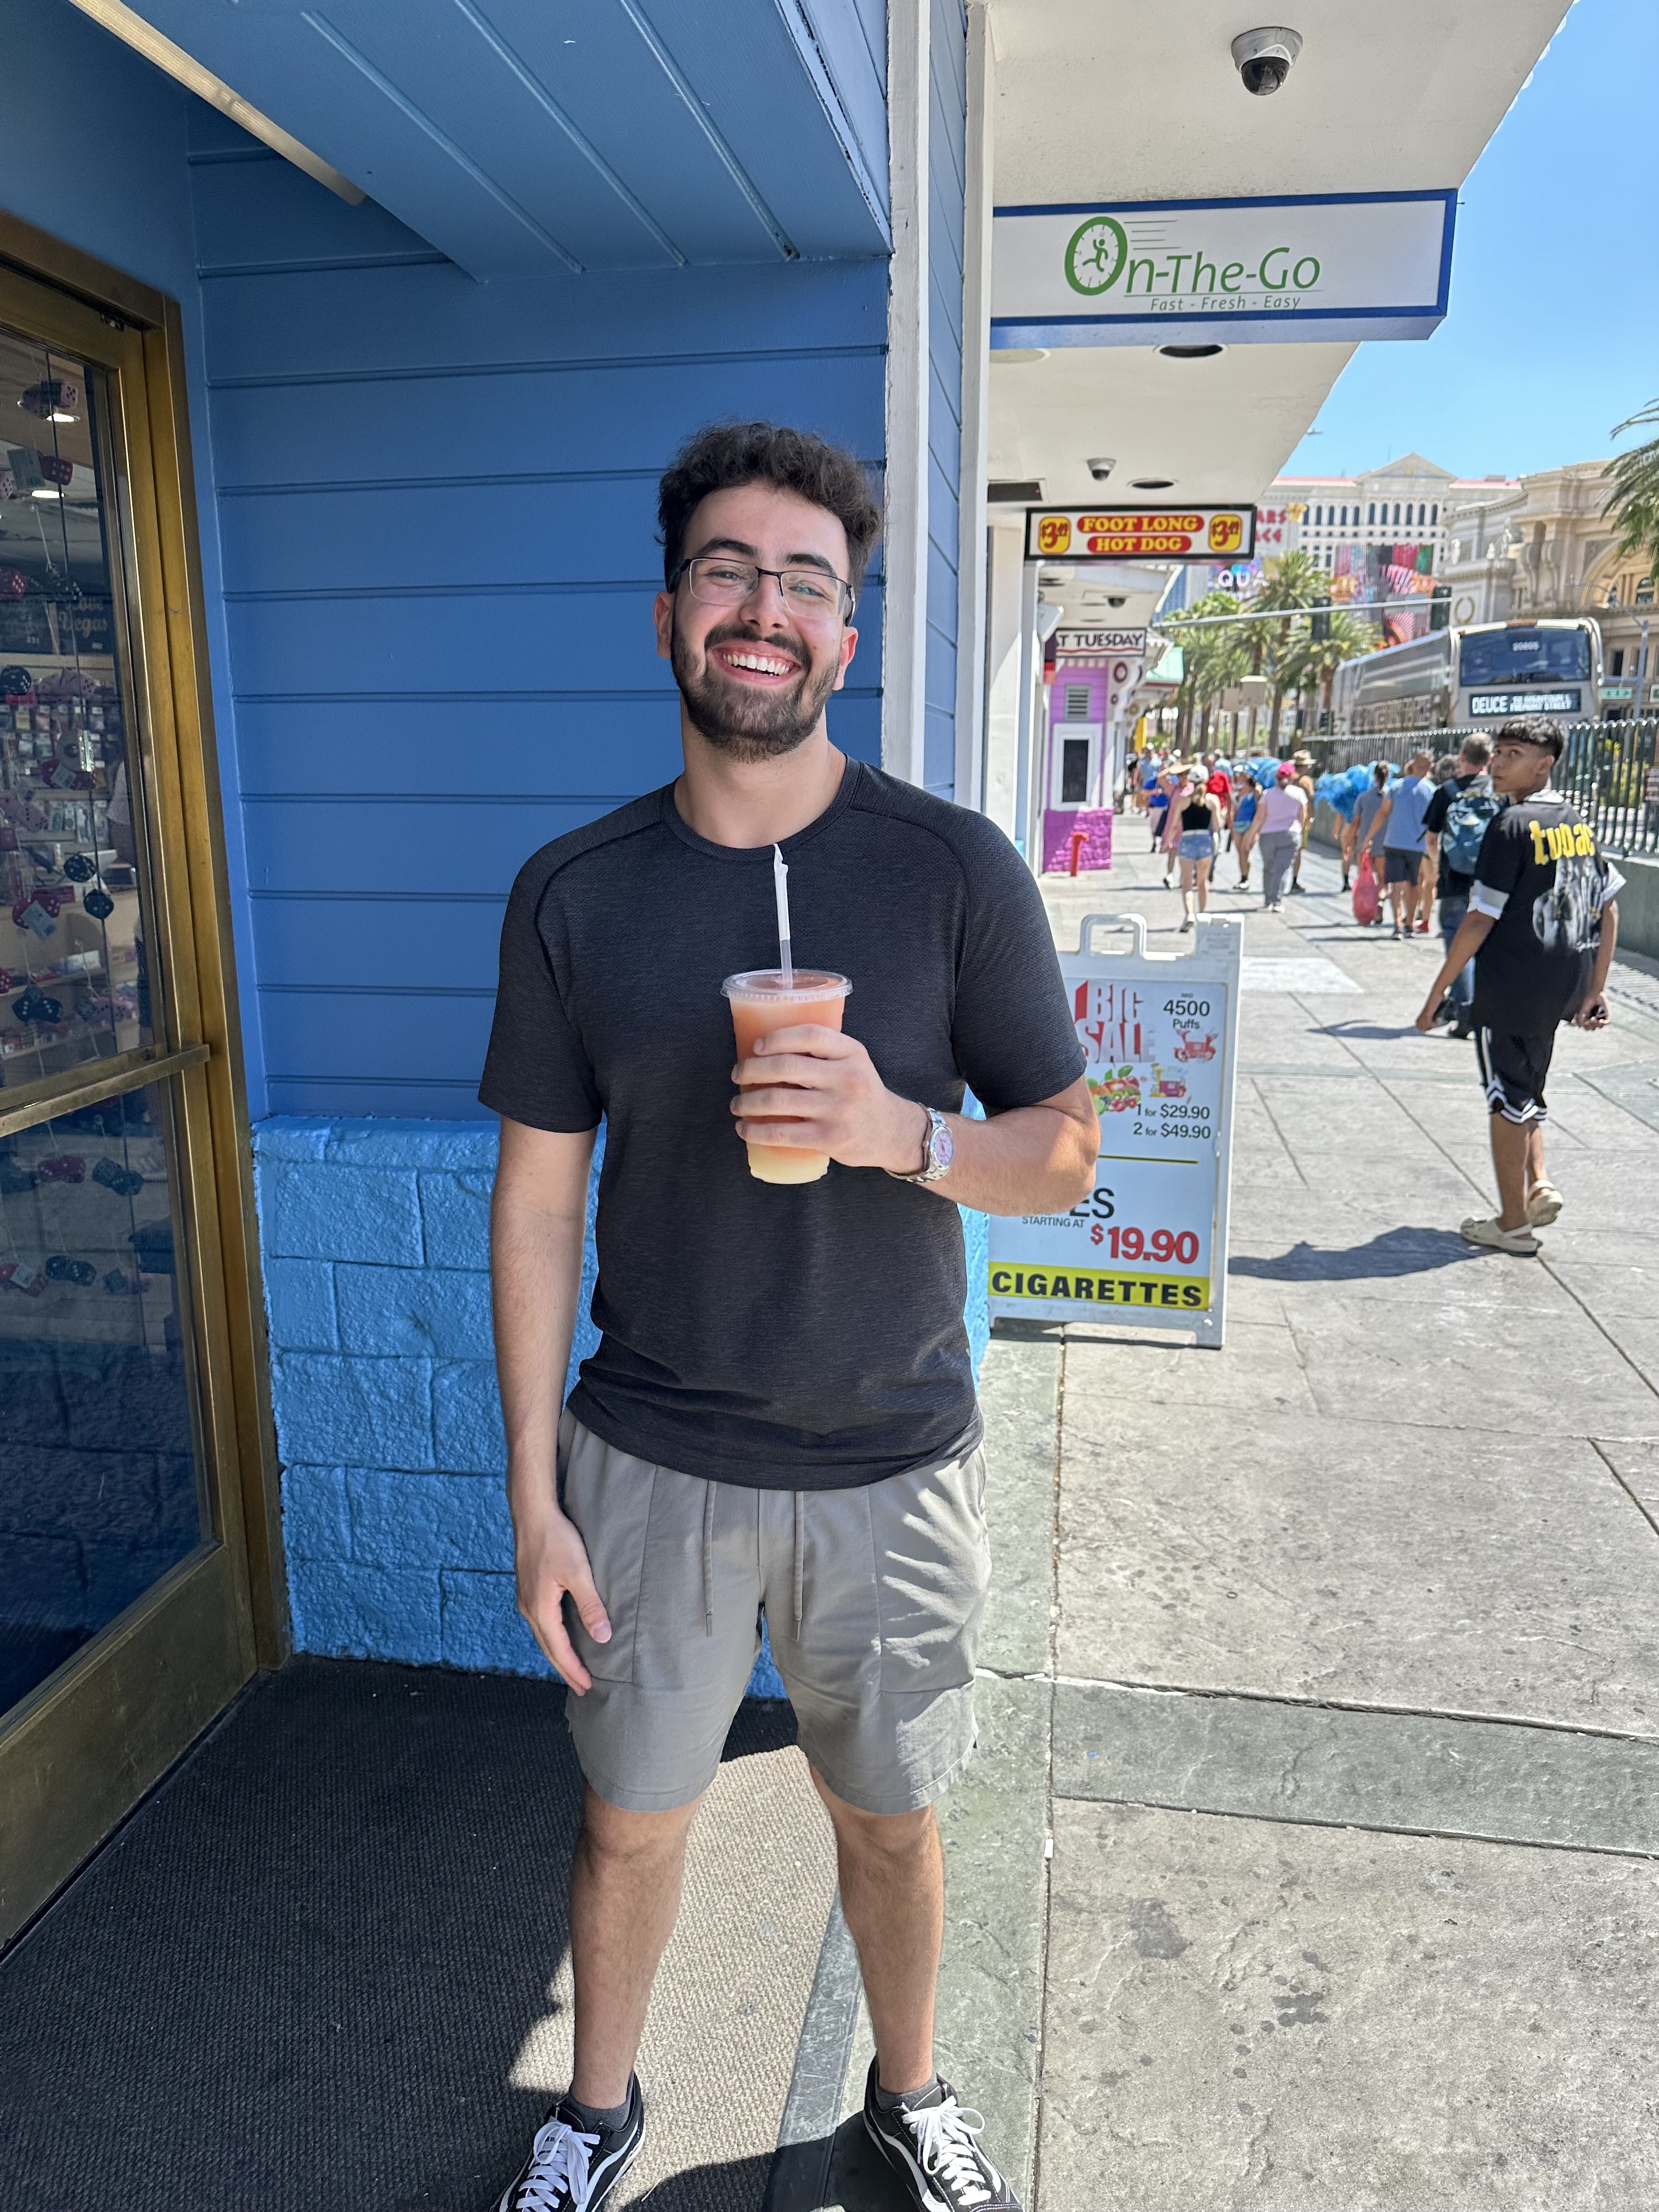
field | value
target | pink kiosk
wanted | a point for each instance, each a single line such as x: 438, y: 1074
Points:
x: 1085, y: 698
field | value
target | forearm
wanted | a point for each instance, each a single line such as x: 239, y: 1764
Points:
x: 1034, y: 1159
x: 536, y: 1266
x: 1605, y: 950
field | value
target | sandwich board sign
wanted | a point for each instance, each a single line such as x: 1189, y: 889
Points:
x: 1148, y: 1247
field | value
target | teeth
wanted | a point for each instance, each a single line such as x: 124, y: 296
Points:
x: 761, y: 667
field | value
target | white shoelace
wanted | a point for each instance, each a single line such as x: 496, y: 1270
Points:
x: 559, y: 2162
x: 945, y: 2147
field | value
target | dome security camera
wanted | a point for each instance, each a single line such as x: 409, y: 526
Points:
x: 1101, y: 467
x: 1263, y: 58
x: 1116, y: 598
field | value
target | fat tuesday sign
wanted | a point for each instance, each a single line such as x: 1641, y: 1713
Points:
x: 1131, y: 641
x: 1354, y: 265
x: 1160, y: 533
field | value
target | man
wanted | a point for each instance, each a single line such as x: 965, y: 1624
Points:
x: 781, y: 1416
x: 1157, y: 801
x: 1540, y: 929
x: 1303, y: 763
x: 1281, y: 815
x: 1400, y: 824
x: 1453, y: 828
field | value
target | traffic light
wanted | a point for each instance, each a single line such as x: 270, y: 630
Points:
x: 1440, y: 607
x: 1320, y: 628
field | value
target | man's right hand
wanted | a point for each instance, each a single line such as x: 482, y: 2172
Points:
x: 551, y: 1559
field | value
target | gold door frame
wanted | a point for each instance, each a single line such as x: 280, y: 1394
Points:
x: 79, y: 1752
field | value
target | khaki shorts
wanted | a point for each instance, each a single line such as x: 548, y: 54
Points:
x: 873, y: 1597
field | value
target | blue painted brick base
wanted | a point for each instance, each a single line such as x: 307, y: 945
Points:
x: 376, y: 1252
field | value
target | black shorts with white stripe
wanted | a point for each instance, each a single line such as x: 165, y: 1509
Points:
x: 1513, y: 1072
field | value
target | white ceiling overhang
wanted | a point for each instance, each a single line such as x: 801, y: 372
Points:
x: 1110, y: 100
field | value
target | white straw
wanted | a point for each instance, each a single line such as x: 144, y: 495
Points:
x: 780, y: 883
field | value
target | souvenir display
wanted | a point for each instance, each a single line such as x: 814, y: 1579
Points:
x: 122, y: 1181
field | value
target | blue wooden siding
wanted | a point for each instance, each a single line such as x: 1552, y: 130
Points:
x: 437, y: 507
x: 946, y: 165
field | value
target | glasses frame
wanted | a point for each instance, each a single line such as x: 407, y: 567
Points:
x: 849, y: 599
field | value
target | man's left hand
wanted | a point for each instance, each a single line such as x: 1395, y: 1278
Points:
x: 1431, y: 1008
x: 826, y: 1085
x: 1595, y: 1013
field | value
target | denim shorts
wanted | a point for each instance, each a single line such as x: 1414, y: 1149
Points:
x: 873, y: 1597
x: 1197, y: 845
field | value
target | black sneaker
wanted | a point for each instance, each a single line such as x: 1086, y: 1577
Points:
x: 572, y: 2171
x: 930, y: 2145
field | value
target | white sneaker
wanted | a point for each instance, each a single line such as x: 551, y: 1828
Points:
x: 1495, y: 1238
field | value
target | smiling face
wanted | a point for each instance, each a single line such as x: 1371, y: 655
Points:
x: 755, y: 676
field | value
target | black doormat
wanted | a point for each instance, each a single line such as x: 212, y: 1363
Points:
x: 298, y: 1979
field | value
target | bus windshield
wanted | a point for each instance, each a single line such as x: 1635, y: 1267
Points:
x: 1511, y: 656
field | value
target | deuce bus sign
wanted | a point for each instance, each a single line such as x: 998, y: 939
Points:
x: 1149, y: 1244
x: 1174, y: 533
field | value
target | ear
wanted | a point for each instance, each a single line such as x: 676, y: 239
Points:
x: 663, y: 610
x: 849, y: 646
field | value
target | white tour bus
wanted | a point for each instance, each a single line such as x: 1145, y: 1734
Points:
x: 1473, y: 678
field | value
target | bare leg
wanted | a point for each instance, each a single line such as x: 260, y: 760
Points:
x: 1511, y: 1152
x: 624, y: 1897
x: 892, y: 1892
x: 1535, y: 1157
x: 1203, y: 886
x: 1186, y: 890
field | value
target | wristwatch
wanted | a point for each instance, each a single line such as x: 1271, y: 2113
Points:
x: 941, y: 1150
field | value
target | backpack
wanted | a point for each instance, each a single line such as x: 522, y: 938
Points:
x: 1466, y: 819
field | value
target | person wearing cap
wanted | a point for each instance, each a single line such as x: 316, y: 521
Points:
x: 1282, y: 813
x: 1540, y: 929
x: 1303, y: 764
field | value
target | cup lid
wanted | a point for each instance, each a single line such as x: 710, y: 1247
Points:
x: 767, y: 983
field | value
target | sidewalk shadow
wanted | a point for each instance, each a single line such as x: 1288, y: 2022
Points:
x: 734, y: 2185
x: 1404, y: 1251
x: 1345, y: 1030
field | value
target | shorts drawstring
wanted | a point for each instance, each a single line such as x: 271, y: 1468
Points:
x: 708, y: 1558
x: 800, y: 1564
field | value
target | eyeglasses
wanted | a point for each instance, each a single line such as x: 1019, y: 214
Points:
x: 814, y: 594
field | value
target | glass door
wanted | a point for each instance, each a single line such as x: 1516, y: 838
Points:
x: 126, y: 1604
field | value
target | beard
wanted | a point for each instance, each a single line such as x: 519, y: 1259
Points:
x: 750, y: 726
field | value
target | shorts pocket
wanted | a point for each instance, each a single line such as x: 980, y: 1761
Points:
x: 608, y: 1495
x: 933, y: 1566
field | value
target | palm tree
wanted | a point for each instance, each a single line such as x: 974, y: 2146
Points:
x: 1212, y: 657
x: 1293, y: 581
x: 1633, y: 503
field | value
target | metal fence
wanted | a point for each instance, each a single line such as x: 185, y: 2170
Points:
x: 1609, y: 770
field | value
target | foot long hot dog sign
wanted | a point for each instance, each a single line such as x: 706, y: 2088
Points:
x: 1148, y: 1246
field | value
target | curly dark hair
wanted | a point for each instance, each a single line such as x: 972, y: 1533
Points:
x: 1530, y: 730
x: 726, y: 455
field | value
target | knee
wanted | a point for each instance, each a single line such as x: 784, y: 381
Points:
x: 613, y: 1838
x: 879, y: 1837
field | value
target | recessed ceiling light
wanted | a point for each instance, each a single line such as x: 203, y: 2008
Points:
x: 1191, y: 353
x: 1151, y: 483
x: 1017, y: 356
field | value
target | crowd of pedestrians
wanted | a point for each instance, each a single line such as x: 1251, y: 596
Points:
x: 1527, y: 911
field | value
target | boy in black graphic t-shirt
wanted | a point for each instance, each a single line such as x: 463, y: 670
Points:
x: 1541, y: 926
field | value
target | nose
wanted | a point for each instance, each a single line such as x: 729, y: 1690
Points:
x: 772, y: 608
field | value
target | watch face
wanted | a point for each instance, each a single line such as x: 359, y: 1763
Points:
x: 943, y: 1148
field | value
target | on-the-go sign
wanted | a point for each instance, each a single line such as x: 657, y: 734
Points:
x: 1345, y: 265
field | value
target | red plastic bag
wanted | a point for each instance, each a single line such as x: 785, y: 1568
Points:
x: 1367, y: 899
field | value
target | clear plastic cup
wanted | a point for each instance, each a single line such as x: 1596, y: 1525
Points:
x: 761, y: 1002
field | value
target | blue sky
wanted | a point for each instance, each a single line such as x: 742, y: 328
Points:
x: 1553, y: 335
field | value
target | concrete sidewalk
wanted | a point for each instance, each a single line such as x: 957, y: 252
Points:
x: 1351, y: 1668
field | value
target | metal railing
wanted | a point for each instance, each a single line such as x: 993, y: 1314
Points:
x: 1609, y: 770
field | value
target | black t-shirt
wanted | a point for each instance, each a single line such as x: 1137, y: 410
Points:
x: 1451, y: 882
x: 784, y: 1337
x: 1541, y: 875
